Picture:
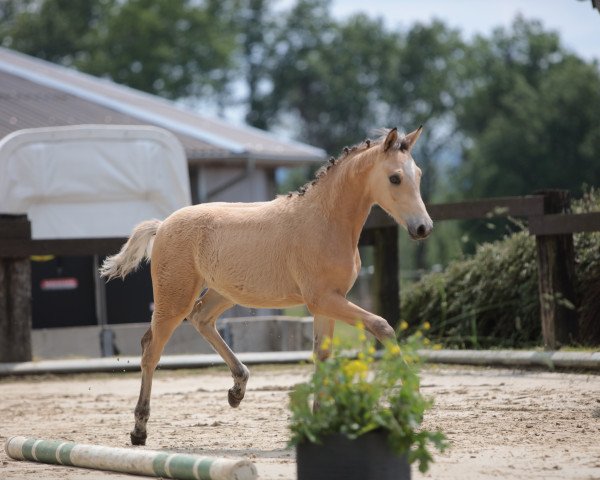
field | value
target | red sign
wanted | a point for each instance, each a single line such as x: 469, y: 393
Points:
x: 65, y: 283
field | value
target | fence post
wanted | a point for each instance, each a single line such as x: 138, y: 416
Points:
x: 386, y: 284
x: 556, y: 270
x: 15, y: 294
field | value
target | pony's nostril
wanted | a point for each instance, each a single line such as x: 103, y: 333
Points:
x: 421, y: 231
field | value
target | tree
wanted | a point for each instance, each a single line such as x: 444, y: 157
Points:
x: 54, y: 30
x: 531, y: 115
x: 254, y: 19
x: 174, y: 48
x: 421, y: 87
x: 325, y: 75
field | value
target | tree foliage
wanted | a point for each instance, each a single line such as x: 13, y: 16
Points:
x: 511, y: 112
x: 55, y: 30
x: 173, y: 48
x: 324, y: 77
x: 530, y: 113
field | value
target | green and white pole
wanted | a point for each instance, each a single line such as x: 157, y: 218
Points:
x: 129, y: 460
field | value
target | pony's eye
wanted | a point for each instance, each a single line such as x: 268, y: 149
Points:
x: 395, y: 179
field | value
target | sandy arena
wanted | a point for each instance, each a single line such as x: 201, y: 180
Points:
x: 502, y: 423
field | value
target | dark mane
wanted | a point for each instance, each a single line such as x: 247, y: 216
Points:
x: 347, y: 152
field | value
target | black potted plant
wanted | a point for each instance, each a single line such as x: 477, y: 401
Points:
x: 367, y: 423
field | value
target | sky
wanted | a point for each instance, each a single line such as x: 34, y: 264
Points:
x: 576, y: 21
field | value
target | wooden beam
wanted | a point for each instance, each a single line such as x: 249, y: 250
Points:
x: 386, y: 283
x: 13, y: 247
x: 559, y: 224
x: 379, y: 219
x: 15, y: 293
x: 488, y: 208
x: 526, y: 206
x: 556, y: 277
x: 14, y: 226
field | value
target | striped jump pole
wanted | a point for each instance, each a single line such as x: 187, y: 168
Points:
x: 129, y: 460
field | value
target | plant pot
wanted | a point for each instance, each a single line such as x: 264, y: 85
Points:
x: 367, y: 458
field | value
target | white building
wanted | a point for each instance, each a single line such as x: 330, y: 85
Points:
x: 226, y: 162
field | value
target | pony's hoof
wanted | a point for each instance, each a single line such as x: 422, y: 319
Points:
x: 138, y: 439
x: 234, y: 400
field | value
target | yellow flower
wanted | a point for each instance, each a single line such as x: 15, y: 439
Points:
x: 356, y: 367
x: 326, y: 343
x: 437, y: 346
x: 426, y: 326
x: 394, y: 349
x: 361, y: 329
x: 371, y: 350
x: 426, y: 341
x: 403, y: 325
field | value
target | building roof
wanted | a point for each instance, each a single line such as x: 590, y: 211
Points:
x: 37, y: 93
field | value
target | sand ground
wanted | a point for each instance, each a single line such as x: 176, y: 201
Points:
x: 502, y: 423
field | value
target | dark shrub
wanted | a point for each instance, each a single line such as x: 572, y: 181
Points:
x: 491, y: 298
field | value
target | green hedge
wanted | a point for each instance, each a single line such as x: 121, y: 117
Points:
x: 491, y: 298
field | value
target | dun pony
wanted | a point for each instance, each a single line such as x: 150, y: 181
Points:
x: 300, y: 248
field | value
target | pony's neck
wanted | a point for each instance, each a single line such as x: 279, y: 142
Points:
x: 343, y: 195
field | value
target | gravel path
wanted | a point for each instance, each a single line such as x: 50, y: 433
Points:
x: 502, y: 423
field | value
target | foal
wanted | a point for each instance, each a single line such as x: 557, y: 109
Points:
x: 296, y: 249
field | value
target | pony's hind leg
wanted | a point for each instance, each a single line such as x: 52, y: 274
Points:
x: 170, y: 308
x: 204, y: 317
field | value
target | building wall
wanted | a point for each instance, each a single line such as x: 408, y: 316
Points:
x: 234, y: 184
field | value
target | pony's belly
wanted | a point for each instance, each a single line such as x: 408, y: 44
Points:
x: 260, y: 301
x: 259, y: 298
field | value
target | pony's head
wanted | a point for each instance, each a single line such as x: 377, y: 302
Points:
x: 395, y: 183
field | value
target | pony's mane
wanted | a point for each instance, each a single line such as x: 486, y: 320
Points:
x: 347, y: 153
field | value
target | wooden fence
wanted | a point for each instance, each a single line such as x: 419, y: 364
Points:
x: 546, y: 212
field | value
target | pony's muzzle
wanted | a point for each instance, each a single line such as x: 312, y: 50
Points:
x: 419, y: 231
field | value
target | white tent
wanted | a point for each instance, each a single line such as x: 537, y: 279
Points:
x: 92, y: 181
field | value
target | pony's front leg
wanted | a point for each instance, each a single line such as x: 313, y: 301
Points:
x: 334, y: 305
x: 322, y: 328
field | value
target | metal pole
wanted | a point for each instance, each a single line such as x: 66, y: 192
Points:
x: 107, y: 336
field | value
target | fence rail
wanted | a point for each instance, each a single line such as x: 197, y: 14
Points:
x: 560, y: 224
x: 12, y: 247
x: 531, y: 207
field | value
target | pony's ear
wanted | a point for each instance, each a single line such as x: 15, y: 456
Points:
x: 410, y: 139
x: 390, y: 139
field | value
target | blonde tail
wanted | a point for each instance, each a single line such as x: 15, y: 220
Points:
x: 138, y: 247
